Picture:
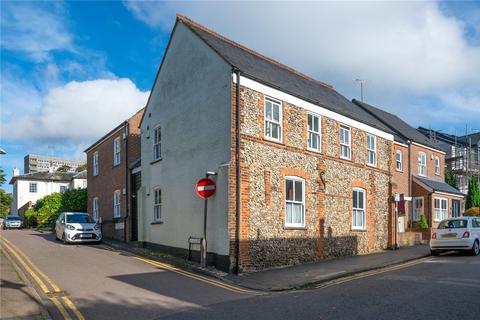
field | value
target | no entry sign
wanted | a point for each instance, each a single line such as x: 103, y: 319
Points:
x: 205, y: 188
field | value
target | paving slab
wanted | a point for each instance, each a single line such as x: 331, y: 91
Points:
x: 325, y: 270
x: 18, y: 299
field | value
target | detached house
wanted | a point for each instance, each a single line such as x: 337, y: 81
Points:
x: 111, y: 186
x: 30, y: 187
x: 302, y: 173
x: 418, y: 166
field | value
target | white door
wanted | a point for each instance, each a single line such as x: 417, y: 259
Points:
x: 401, y: 224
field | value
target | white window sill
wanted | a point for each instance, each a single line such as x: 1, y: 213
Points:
x: 359, y: 229
x: 294, y: 225
x: 273, y: 140
x: 345, y: 158
x: 372, y: 165
x: 399, y: 170
x: 314, y: 150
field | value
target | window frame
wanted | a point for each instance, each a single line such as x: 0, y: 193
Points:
x: 312, y: 132
x: 157, y: 143
x: 157, y: 215
x: 415, y: 215
x: 116, y: 151
x: 117, y: 213
x: 424, y: 174
x: 372, y: 151
x: 294, y: 202
x: 280, y: 119
x: 399, y: 152
x: 65, y: 188
x: 363, y: 227
x: 95, y: 170
x: 349, y: 145
x: 443, y: 212
x: 35, y: 187
x: 95, y: 209
x: 437, y: 166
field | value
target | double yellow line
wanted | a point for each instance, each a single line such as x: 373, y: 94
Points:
x: 50, y: 288
x: 371, y: 273
x: 198, y: 277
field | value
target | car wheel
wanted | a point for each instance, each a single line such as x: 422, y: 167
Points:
x: 434, y: 252
x: 475, y: 249
x: 64, y: 238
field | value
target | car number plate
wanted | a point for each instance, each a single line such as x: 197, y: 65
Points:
x: 85, y: 236
x: 449, y: 235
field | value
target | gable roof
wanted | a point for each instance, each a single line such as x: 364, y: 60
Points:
x: 402, y: 130
x: 114, y: 130
x: 279, y: 76
x: 438, y: 186
x: 45, y: 176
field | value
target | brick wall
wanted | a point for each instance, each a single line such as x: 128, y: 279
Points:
x: 265, y: 241
x: 430, y: 154
x: 111, y: 178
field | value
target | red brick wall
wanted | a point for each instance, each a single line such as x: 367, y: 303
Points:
x: 430, y: 162
x: 111, y: 178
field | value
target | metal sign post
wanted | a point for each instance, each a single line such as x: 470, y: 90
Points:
x: 205, y: 189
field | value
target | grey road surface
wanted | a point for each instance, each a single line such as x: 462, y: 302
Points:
x: 106, y: 284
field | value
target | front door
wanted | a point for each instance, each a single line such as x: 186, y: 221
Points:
x: 401, y: 224
x: 455, y: 208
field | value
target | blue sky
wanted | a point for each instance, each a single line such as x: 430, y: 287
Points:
x: 70, y: 71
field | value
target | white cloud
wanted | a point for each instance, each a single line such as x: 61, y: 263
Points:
x: 34, y: 29
x: 78, y: 112
x: 404, y: 49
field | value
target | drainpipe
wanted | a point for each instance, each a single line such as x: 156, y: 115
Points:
x: 410, y: 178
x: 237, y: 156
x: 127, y: 189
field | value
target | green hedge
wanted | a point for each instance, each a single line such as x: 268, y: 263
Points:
x: 48, y: 208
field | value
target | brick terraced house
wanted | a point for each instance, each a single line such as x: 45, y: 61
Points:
x: 111, y: 185
x: 302, y: 172
x: 418, y: 166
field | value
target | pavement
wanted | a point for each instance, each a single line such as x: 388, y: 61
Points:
x: 299, y: 276
x: 18, y: 299
x: 304, y: 275
x: 101, y: 282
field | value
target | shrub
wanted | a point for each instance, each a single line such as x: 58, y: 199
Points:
x: 31, y: 218
x: 75, y: 200
x: 474, y: 211
x: 48, y: 209
x: 423, y: 222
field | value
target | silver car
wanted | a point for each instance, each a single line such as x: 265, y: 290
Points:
x: 72, y: 227
x: 457, y: 234
x: 12, y: 222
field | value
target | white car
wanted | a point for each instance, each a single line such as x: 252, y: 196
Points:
x: 457, y: 234
x: 12, y: 222
x: 73, y: 227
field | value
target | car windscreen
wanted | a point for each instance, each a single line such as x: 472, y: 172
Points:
x: 13, y: 218
x: 78, y: 218
x: 453, y: 224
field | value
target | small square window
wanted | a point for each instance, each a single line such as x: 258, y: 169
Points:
x: 32, y: 188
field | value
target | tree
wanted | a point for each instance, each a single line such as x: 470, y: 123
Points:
x: 473, y: 197
x: 5, y: 201
x: 82, y: 167
x: 63, y: 168
x: 450, y: 178
x: 2, y: 176
x: 75, y: 200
